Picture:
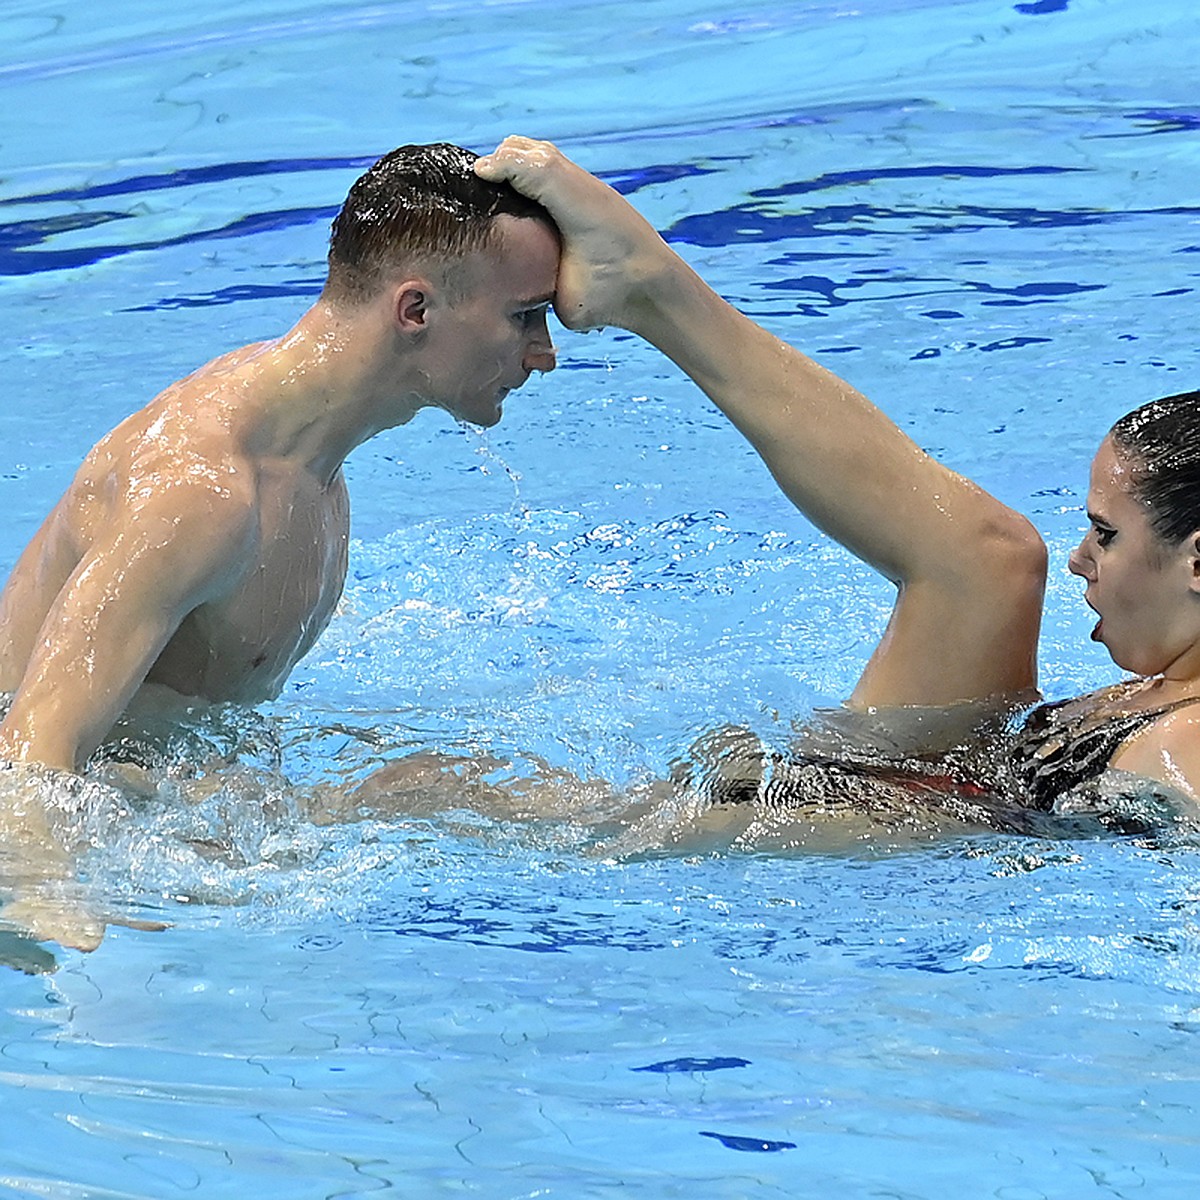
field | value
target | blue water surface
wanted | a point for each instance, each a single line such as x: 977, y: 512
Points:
x: 983, y: 214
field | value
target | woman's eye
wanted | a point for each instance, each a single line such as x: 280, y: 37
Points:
x: 1104, y: 535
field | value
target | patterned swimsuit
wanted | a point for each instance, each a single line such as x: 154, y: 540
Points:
x: 1047, y: 774
x: 1056, y: 752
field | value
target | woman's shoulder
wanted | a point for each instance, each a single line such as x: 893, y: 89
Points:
x: 1166, y: 749
x: 1131, y: 703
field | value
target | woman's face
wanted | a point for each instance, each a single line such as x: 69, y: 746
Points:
x: 1144, y: 590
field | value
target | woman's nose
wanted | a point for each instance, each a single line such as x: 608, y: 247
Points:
x: 1080, y: 562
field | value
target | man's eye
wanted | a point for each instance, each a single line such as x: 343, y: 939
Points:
x: 530, y: 316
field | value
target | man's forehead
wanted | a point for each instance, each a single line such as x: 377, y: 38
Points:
x: 522, y: 236
x: 525, y: 255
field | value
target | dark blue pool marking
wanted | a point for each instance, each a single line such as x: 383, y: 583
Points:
x: 690, y: 1065
x: 835, y: 179
x: 18, y: 238
x: 24, y: 248
x: 16, y: 257
x: 754, y: 222
x: 1158, y: 121
x: 309, y: 288
x: 1165, y: 121
x: 17, y: 234
x: 543, y: 927
x: 747, y: 224
x: 190, y: 176
x: 829, y: 290
x: 628, y: 182
x: 623, y: 181
x: 1012, y: 343
x: 492, y: 921
x: 319, y: 942
x: 1041, y: 8
x: 952, y: 960
x: 751, y: 1145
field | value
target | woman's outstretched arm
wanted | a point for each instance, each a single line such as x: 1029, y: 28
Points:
x: 970, y: 571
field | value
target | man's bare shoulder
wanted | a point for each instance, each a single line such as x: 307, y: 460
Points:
x: 200, y: 417
x: 232, y: 362
x: 180, y: 458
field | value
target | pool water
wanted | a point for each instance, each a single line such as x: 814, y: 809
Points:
x: 981, y: 213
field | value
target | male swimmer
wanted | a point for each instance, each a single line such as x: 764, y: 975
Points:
x: 201, y: 547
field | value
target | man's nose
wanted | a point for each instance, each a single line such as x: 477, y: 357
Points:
x: 541, y: 356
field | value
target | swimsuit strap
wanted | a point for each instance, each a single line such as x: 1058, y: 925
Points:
x: 1052, y: 755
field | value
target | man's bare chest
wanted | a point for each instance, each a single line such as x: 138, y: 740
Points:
x: 241, y: 644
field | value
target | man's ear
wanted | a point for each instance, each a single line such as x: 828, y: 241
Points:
x: 412, y: 301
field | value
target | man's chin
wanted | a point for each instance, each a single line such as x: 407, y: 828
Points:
x: 484, y: 421
x: 483, y: 414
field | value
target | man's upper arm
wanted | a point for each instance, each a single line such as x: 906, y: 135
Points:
x: 163, y: 555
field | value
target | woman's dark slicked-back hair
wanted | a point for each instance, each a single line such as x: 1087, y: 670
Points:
x: 1161, y: 444
x: 416, y: 203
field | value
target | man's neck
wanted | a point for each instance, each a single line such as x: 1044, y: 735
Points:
x: 324, y: 388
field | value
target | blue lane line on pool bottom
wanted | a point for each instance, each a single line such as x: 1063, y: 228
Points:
x: 1042, y: 8
x: 751, y: 1145
x: 689, y: 1065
